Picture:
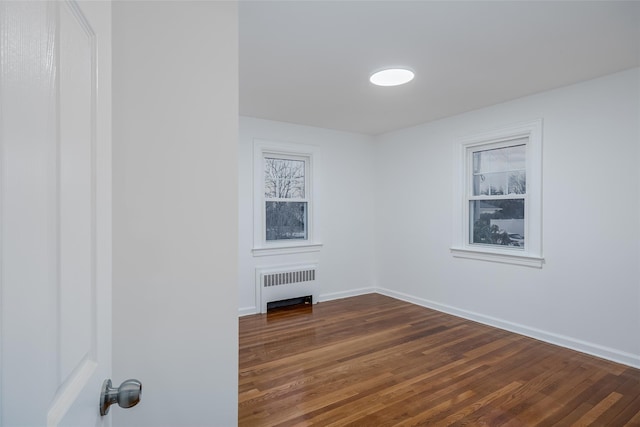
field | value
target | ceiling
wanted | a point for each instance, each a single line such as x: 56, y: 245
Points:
x: 308, y: 62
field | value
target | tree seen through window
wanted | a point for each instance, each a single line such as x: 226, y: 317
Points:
x: 286, y: 204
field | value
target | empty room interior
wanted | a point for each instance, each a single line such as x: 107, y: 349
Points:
x: 460, y: 248
x: 348, y: 189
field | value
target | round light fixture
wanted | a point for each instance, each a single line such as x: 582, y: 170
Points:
x: 391, y: 77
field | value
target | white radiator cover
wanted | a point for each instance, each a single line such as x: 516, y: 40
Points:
x: 285, y: 282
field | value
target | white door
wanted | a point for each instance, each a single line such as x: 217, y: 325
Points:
x: 55, y: 215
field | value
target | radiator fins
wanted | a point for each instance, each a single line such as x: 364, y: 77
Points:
x: 288, y: 277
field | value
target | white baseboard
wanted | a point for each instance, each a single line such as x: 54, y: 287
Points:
x: 346, y: 294
x: 246, y: 311
x: 603, y: 352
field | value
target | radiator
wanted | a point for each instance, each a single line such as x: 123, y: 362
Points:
x: 282, y: 283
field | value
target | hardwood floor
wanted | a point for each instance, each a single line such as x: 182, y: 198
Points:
x: 376, y: 361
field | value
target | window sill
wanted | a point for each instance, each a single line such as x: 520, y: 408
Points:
x: 503, y: 258
x: 286, y: 250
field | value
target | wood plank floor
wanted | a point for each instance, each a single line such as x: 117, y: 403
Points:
x: 376, y: 361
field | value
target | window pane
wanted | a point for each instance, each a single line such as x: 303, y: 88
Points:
x: 517, y: 182
x: 490, y: 184
x: 497, y: 222
x: 517, y: 157
x: 286, y: 220
x: 500, y: 171
x: 284, y: 178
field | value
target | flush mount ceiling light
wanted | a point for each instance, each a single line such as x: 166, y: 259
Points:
x: 391, y: 77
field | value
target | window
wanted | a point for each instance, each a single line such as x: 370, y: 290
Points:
x: 497, y: 195
x: 285, y: 201
x: 283, y: 198
x: 499, y: 200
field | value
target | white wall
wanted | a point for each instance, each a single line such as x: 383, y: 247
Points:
x: 587, y: 295
x: 344, y: 174
x: 175, y: 118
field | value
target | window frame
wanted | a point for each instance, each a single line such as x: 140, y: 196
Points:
x: 531, y: 254
x: 288, y: 151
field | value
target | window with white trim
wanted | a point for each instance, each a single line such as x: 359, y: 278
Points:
x: 499, y: 201
x: 286, y: 204
x: 284, y: 195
